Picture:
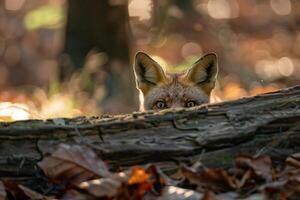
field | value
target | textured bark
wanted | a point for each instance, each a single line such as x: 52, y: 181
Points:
x: 94, y: 27
x: 264, y: 124
x: 99, y: 25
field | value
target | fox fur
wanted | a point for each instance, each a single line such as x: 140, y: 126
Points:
x: 161, y: 90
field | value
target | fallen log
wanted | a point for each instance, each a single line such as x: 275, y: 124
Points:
x: 214, y: 133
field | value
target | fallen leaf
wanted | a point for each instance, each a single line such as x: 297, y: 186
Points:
x: 14, y: 190
x: 209, y: 195
x: 292, y: 168
x: 32, y: 194
x: 282, y: 189
x: 217, y: 180
x: 74, y: 164
x: 176, y: 193
x: 252, y: 178
x: 293, y: 160
x: 135, y: 183
x: 139, y: 180
x: 76, y: 195
x: 138, y: 175
x: 103, y: 187
x: 229, y: 196
x: 261, y: 165
x: 245, y: 179
x: 159, y: 179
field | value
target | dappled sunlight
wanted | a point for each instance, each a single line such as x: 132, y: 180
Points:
x: 13, y: 4
x: 40, y: 105
x: 65, y: 104
x: 140, y: 9
x: 149, y: 99
x: 257, y: 44
x: 274, y: 68
x: 223, y: 9
x: 13, y: 111
x: 281, y: 7
x: 234, y: 90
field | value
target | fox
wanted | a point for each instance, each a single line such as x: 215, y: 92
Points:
x: 162, y: 90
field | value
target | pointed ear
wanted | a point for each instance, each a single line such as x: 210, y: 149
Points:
x: 148, y: 73
x: 204, y: 72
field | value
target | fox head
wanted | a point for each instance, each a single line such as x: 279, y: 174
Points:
x: 160, y: 90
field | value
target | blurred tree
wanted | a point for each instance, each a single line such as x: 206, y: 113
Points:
x: 162, y: 10
x: 101, y: 26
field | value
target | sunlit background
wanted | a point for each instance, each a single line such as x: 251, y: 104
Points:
x: 45, y: 73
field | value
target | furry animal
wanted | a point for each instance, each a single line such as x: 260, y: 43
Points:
x: 160, y: 90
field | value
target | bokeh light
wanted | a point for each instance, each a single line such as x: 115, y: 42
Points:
x: 14, y: 5
x: 223, y: 9
x: 140, y: 9
x: 257, y: 43
x: 281, y: 7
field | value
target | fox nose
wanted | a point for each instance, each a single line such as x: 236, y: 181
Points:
x: 176, y: 105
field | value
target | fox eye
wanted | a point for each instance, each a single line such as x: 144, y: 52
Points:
x: 160, y: 104
x: 189, y: 104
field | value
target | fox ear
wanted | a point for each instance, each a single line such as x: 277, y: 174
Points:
x: 204, y: 72
x: 148, y: 73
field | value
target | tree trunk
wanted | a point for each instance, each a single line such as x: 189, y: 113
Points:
x: 100, y: 27
x: 264, y: 124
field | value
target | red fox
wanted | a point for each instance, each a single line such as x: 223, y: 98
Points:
x: 160, y: 90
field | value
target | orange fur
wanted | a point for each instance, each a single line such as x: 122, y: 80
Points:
x: 160, y: 90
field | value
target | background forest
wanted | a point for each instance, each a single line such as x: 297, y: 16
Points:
x: 62, y: 58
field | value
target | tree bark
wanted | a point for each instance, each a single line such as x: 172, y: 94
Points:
x: 100, y: 27
x: 215, y: 133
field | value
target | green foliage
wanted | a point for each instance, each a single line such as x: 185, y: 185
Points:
x: 47, y: 16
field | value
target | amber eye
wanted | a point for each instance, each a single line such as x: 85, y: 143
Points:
x: 190, y: 104
x: 160, y: 104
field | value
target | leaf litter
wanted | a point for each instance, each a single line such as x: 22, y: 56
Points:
x: 85, y: 176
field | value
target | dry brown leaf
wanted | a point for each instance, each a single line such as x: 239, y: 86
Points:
x: 14, y: 190
x: 135, y: 183
x: 282, y: 189
x: 103, y: 187
x: 261, y: 165
x: 2, y: 191
x: 293, y: 160
x: 288, y: 180
x: 209, y: 195
x: 176, y: 193
x: 74, y: 164
x: 92, y: 180
x: 229, y: 196
x: 33, y: 194
x: 159, y: 179
x: 245, y: 178
x: 292, y: 168
x: 76, y: 195
x: 217, y: 180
